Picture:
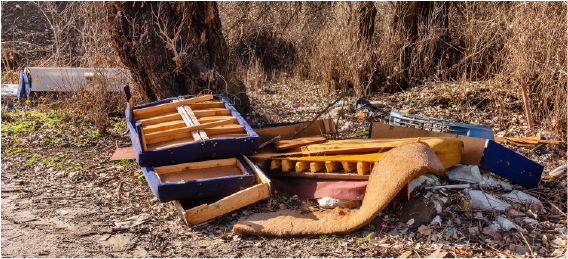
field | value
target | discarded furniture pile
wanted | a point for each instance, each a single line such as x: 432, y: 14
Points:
x: 200, y: 153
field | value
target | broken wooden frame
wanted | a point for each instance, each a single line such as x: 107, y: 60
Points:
x: 186, y: 121
x: 218, y: 206
x: 162, y: 132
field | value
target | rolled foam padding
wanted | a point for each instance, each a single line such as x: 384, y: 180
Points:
x: 391, y: 172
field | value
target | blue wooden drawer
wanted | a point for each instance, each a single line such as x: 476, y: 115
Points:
x: 198, y: 180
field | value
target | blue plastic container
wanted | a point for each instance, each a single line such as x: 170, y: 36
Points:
x: 398, y: 118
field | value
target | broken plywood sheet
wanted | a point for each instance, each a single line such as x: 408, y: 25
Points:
x: 319, y: 127
x: 472, y: 147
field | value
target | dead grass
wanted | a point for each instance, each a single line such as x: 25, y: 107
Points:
x: 505, y: 44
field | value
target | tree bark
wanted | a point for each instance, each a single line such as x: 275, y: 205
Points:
x: 171, y: 48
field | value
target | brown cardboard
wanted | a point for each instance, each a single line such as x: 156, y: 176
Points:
x: 472, y: 147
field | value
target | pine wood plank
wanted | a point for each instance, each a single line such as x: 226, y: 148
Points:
x: 188, y: 129
x: 192, y: 106
x: 142, y: 113
x: 299, y: 142
x: 195, y: 165
x: 170, y: 116
x: 235, y: 201
x: 180, y: 123
x: 190, y: 139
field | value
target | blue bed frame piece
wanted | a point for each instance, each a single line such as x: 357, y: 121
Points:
x: 199, y: 188
x: 510, y: 165
x: 198, y: 150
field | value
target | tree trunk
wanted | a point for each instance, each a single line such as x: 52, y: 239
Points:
x: 171, y: 48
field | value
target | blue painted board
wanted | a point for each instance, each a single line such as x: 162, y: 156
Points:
x: 510, y: 165
x: 199, y: 188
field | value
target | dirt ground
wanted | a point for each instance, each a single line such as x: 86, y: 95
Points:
x: 61, y: 197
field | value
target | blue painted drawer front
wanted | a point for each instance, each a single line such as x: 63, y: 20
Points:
x: 200, y: 188
x: 510, y: 165
x: 198, y: 150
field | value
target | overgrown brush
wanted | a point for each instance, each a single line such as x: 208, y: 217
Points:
x: 370, y: 46
x: 506, y: 44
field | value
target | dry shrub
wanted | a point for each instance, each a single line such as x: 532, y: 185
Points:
x: 504, y: 44
x: 80, y: 39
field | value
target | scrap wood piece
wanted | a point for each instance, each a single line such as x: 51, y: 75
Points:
x: 393, y: 171
x: 168, y: 125
x: 527, y: 140
x: 172, y: 116
x: 198, y: 126
x: 122, y: 153
x: 317, y: 128
x: 299, y: 142
x: 322, y: 175
x: 448, y: 150
x: 144, y: 112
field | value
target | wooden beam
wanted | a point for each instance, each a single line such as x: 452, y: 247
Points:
x: 316, y: 166
x: 170, y: 116
x: 180, y: 123
x: 275, y: 164
x: 322, y: 175
x: 189, y: 139
x: 332, y: 166
x: 177, y: 131
x: 299, y: 142
x: 302, y: 166
x: 193, y: 106
x: 143, y: 112
x: 195, y: 165
x: 348, y: 166
x: 286, y: 165
x: 363, y: 168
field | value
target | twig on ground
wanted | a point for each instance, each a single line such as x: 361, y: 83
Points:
x: 275, y: 139
x: 320, y: 113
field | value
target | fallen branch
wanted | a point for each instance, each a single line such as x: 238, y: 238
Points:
x: 320, y: 113
x: 269, y: 142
